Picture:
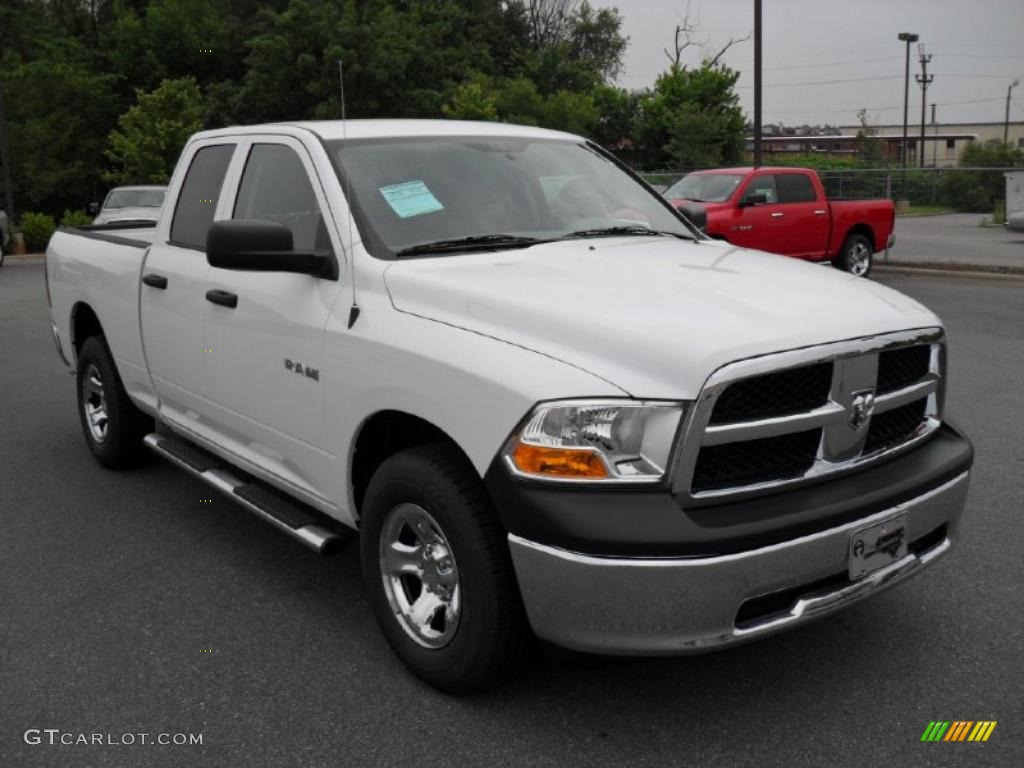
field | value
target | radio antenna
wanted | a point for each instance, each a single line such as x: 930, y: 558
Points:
x: 353, y: 313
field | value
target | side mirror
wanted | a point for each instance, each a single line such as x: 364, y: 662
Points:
x: 262, y: 245
x: 93, y: 208
x: 696, y: 213
x: 754, y: 198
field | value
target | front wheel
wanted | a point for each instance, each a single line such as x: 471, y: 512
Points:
x: 438, y: 571
x: 856, y: 256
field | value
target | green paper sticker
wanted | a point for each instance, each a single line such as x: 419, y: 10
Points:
x: 411, y: 198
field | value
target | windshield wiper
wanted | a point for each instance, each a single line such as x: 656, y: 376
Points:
x: 632, y: 229
x: 474, y: 242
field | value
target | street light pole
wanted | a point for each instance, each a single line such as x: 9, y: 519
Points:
x: 908, y: 38
x: 757, y: 83
x: 1006, y: 121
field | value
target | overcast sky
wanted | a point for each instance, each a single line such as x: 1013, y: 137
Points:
x: 977, y: 49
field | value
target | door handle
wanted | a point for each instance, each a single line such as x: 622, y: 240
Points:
x: 224, y: 298
x: 155, y: 281
x: 777, y: 215
x: 820, y: 213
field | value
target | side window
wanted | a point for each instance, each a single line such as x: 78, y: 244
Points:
x: 197, y: 200
x: 763, y: 185
x: 795, y: 188
x: 275, y: 186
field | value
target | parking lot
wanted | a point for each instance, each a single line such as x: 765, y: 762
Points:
x: 957, y: 238
x: 131, y: 604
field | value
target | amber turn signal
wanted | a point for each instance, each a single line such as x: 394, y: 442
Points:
x: 558, y: 462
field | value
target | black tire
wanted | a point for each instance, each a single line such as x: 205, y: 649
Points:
x: 491, y: 636
x: 120, y: 446
x: 856, y: 257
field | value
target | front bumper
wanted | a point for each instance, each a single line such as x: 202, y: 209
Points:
x: 693, y: 604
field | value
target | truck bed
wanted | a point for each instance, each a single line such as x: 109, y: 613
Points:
x: 98, y: 267
x: 137, y: 234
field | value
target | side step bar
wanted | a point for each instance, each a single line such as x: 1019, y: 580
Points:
x: 283, y: 513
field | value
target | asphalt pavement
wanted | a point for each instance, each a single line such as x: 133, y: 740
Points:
x: 130, y: 604
x: 956, y: 239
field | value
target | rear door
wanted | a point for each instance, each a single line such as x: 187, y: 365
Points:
x: 804, y: 224
x: 171, y: 301
x: 265, y: 366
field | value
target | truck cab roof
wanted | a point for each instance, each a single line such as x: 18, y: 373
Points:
x: 367, y: 129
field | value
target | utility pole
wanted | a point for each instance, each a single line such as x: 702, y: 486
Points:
x: 908, y: 38
x: 935, y: 138
x: 1006, y: 121
x: 757, y: 84
x: 5, y: 159
x: 924, y: 80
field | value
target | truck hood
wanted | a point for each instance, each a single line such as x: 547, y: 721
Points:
x: 653, y: 316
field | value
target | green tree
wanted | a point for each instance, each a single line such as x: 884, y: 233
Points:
x: 564, y: 45
x: 150, y: 135
x: 568, y: 111
x: 692, y: 118
x: 517, y: 100
x: 617, y: 119
x: 472, y: 100
x: 400, y: 60
x: 58, y: 114
x: 979, y: 190
x: 869, y: 146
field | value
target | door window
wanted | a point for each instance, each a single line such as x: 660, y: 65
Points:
x: 763, y: 185
x: 275, y: 186
x: 197, y: 200
x: 795, y: 188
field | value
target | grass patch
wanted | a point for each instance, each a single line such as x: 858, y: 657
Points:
x: 927, y: 210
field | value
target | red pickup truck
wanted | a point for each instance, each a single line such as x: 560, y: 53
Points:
x: 784, y: 210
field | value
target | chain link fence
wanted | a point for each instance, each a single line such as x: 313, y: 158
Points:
x: 981, y: 190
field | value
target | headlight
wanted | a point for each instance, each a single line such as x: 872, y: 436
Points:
x: 595, y: 440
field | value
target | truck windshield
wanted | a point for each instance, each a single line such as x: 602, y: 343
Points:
x: 135, y: 198
x: 491, y: 192
x: 704, y: 187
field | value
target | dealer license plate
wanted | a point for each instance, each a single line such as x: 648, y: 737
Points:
x: 878, y: 546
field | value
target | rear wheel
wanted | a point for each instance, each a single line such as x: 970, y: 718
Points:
x: 856, y: 256
x: 113, y: 427
x: 438, y: 571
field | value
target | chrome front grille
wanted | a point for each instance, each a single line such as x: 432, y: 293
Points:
x: 789, y: 418
x: 774, y: 394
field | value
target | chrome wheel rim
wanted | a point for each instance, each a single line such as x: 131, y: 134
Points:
x: 860, y: 259
x: 94, y: 403
x: 421, y: 577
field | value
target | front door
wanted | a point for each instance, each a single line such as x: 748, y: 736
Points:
x: 265, y: 355
x: 757, y: 226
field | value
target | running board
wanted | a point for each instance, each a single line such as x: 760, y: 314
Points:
x: 283, y: 513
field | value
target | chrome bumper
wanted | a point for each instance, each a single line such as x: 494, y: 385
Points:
x: 679, y: 606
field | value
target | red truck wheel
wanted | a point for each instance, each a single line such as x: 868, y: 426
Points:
x: 856, y: 257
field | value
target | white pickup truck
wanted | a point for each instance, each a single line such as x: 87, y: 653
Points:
x: 548, y: 405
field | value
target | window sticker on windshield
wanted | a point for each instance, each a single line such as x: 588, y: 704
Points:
x: 411, y: 198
